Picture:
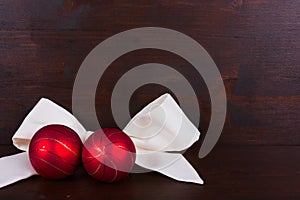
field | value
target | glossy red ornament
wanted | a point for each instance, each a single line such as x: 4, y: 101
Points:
x: 55, y: 151
x: 108, y: 155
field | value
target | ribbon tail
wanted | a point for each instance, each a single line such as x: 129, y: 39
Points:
x: 14, y: 168
x: 189, y: 173
x: 170, y: 164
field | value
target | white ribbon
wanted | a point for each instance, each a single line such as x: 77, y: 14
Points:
x: 158, y: 128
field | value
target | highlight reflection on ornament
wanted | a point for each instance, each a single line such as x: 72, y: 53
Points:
x: 108, y: 155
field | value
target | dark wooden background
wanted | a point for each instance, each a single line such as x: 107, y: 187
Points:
x: 255, y: 44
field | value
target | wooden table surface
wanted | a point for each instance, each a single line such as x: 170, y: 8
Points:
x: 254, y: 43
x: 230, y: 172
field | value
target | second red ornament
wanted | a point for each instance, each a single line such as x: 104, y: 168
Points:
x: 108, y: 155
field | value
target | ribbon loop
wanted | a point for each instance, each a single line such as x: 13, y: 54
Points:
x: 44, y: 113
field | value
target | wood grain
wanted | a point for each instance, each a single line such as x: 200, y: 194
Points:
x: 255, y: 44
x: 243, y: 172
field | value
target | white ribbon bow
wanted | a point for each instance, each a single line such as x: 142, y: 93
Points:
x: 158, y: 128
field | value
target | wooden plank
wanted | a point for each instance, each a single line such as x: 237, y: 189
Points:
x: 263, y: 120
x: 255, y: 45
x: 230, y: 172
x: 37, y: 64
x: 33, y: 14
x: 11, y: 116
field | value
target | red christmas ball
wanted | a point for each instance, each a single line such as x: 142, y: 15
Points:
x: 108, y: 155
x: 55, y: 151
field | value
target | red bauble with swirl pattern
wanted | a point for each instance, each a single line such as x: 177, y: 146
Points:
x: 108, y: 155
x: 55, y: 151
